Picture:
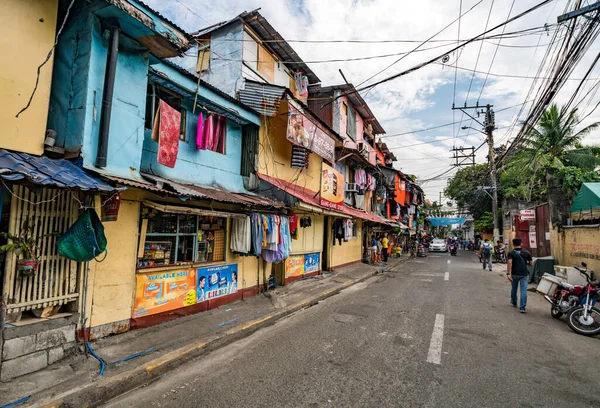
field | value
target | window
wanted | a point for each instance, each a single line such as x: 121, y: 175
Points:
x: 351, y: 123
x: 154, y: 94
x: 203, y: 56
x: 178, y: 238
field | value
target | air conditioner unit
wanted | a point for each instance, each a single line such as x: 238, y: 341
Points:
x: 351, y: 188
x: 360, y: 146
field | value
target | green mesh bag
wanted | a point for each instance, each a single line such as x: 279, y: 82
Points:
x: 84, y: 240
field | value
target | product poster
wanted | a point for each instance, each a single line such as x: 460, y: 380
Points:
x: 311, y: 263
x: 164, y: 291
x: 332, y: 188
x: 216, y: 281
x: 294, y: 266
x: 301, y: 131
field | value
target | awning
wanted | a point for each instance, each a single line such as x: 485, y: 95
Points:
x: 42, y: 170
x: 366, y: 216
x: 442, y: 221
x: 179, y: 209
x: 213, y: 194
x: 587, y: 203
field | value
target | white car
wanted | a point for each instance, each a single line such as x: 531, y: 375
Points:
x: 438, y: 245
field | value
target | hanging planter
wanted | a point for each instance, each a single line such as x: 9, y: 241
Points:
x: 27, y: 267
x: 24, y: 245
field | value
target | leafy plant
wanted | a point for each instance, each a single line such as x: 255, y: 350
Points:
x: 25, y: 244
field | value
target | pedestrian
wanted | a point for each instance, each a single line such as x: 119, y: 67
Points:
x: 379, y: 248
x: 385, y: 243
x: 373, y: 248
x: 486, y: 254
x: 517, y: 273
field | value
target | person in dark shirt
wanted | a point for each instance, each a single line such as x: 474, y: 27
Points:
x: 517, y: 273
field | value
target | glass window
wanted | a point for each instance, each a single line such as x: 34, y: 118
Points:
x: 180, y: 238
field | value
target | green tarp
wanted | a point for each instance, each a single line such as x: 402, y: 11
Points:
x: 588, y: 198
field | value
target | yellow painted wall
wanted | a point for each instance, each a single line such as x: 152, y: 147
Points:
x: 571, y: 246
x: 310, y: 239
x: 25, y: 42
x: 275, y: 153
x: 349, y: 251
x: 113, y: 286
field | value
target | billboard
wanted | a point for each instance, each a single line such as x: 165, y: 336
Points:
x: 301, y: 131
x: 298, y: 265
x: 332, y: 188
x: 216, y: 281
x: 164, y: 291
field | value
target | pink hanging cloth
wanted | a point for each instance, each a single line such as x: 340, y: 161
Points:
x: 169, y: 130
x: 209, y: 132
x: 219, y: 130
x: 200, y: 142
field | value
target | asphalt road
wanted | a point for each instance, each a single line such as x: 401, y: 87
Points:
x: 437, y: 332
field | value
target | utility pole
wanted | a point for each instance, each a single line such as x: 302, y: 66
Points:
x: 466, y: 159
x: 489, y: 124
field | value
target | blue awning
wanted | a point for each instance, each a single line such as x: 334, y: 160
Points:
x: 48, y: 172
x: 441, y: 221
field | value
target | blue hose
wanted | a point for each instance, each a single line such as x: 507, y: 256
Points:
x: 17, y: 402
x: 93, y: 353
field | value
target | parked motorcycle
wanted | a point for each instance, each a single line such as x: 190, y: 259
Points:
x: 421, y: 251
x: 566, y: 297
x: 453, y: 250
x: 585, y: 318
x: 500, y: 255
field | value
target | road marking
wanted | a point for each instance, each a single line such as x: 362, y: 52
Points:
x: 435, y: 347
x: 447, y: 276
x: 423, y: 274
x: 448, y: 260
x: 426, y: 280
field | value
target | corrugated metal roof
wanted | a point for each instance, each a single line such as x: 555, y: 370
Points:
x: 44, y: 171
x: 132, y: 183
x: 224, y: 196
x: 264, y: 98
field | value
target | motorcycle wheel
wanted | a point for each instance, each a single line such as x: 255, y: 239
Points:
x: 576, y: 325
x: 557, y: 314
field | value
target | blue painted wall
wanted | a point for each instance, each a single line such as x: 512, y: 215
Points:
x: 226, y: 47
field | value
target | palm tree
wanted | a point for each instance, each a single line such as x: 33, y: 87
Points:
x: 553, y: 143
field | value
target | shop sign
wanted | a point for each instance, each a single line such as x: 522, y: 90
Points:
x: 110, y: 208
x: 294, y: 266
x: 527, y: 215
x: 164, y: 291
x: 532, y: 239
x: 311, y: 263
x: 301, y: 131
x: 216, y: 281
x: 332, y: 188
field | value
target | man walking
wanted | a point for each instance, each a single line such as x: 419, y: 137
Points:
x: 486, y: 254
x: 517, y: 273
x: 385, y: 243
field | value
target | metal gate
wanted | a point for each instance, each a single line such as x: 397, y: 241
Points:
x: 58, y: 279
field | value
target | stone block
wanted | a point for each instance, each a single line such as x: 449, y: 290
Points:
x: 55, y: 354
x: 20, y: 346
x: 23, y: 365
x: 55, y: 337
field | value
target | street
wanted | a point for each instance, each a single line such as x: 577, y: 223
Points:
x: 435, y: 332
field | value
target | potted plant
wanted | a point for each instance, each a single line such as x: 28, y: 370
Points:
x: 25, y: 246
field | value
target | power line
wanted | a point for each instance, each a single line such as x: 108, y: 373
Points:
x: 455, y: 68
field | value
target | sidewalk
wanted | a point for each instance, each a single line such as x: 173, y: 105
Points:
x: 139, y: 356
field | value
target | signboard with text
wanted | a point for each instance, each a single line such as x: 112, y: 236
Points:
x: 298, y: 265
x: 332, y: 188
x: 164, y: 291
x: 303, y: 132
x: 216, y: 281
x: 527, y: 215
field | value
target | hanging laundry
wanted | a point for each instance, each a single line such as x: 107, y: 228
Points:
x: 257, y: 234
x: 166, y: 128
x: 348, y: 229
x: 241, y: 235
x: 338, y: 230
x: 199, y: 133
x: 218, y: 138
x: 301, y: 82
x: 209, y: 132
x: 360, y: 178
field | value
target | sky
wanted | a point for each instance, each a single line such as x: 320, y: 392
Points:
x: 424, y: 98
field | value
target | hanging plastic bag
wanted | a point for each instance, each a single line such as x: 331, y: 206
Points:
x: 84, y: 240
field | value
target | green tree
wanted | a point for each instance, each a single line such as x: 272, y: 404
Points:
x: 462, y: 189
x: 485, y: 223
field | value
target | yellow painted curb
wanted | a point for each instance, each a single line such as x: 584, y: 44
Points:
x: 255, y: 322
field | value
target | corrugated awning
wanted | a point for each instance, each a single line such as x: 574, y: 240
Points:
x: 179, y: 209
x: 42, y: 170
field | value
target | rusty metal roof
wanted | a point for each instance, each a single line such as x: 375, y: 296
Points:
x: 264, y: 98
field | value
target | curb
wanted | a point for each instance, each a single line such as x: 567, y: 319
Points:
x: 100, y: 392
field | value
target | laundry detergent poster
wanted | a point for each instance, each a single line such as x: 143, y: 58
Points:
x: 164, y: 291
x: 294, y: 266
x: 216, y: 281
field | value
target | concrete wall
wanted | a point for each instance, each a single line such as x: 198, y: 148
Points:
x: 226, y: 44
x: 310, y: 239
x: 25, y: 42
x: 275, y: 153
x: 350, y: 251
x: 572, y: 245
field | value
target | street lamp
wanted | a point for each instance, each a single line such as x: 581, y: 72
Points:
x: 472, y: 128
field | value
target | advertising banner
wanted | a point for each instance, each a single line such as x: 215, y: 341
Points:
x: 164, y: 291
x: 332, y: 188
x: 533, y: 240
x: 311, y: 263
x: 216, y: 281
x: 301, y: 131
x: 294, y: 266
